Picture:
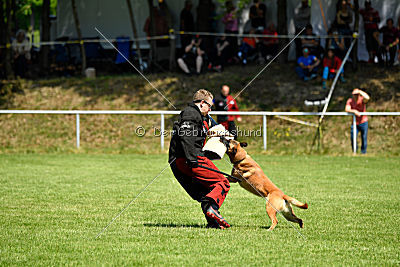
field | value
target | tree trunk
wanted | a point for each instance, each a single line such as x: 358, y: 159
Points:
x: 8, y: 55
x: 2, y: 28
x: 45, y: 35
x: 152, y: 33
x: 356, y: 29
x: 282, y: 29
x: 78, y: 30
x: 15, y: 27
x: 2, y: 39
x: 135, y: 35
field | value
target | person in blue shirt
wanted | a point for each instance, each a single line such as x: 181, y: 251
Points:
x: 307, y: 66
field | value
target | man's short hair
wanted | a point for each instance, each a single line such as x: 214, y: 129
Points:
x: 201, y: 94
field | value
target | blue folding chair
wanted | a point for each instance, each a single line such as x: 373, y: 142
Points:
x: 123, y: 45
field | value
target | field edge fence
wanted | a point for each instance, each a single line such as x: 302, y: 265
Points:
x: 162, y: 113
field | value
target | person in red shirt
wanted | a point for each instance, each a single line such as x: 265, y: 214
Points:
x: 269, y: 45
x: 331, y: 65
x: 371, y: 19
x: 248, y: 47
x: 355, y: 105
x: 225, y: 102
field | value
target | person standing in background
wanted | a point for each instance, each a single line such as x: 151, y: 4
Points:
x: 231, y: 26
x: 204, y: 14
x: 355, y: 105
x: 257, y: 15
x: 225, y: 102
x: 371, y: 19
x: 302, y: 17
x: 186, y: 24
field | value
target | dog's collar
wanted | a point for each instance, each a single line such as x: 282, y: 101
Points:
x: 237, y: 162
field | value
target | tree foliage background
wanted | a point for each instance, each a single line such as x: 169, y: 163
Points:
x: 24, y: 10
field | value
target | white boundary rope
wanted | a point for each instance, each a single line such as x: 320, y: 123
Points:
x: 172, y: 35
x: 335, y: 81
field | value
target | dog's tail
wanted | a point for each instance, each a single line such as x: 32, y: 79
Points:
x: 295, y: 202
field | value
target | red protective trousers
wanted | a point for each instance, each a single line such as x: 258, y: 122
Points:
x: 201, y: 184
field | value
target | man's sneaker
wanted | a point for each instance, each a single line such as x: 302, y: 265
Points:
x: 342, y: 79
x: 306, y: 78
x: 313, y: 76
x: 214, y: 214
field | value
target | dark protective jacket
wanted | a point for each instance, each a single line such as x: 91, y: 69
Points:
x: 189, y: 134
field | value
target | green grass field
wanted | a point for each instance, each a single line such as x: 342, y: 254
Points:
x: 52, y: 207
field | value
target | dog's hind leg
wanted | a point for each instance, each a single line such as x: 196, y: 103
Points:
x: 274, y: 204
x: 272, y: 215
x: 290, y: 216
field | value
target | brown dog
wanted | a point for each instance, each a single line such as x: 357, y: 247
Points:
x: 254, y: 180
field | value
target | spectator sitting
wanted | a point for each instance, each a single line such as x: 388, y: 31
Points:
x: 311, y: 42
x: 221, y: 54
x: 308, y: 64
x: 21, y: 49
x: 248, y: 47
x: 193, y: 57
x: 371, y: 19
x: 331, y: 65
x: 257, y: 14
x: 337, y: 44
x: 389, y: 43
x: 269, y: 45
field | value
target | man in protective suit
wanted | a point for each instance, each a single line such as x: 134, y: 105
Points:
x: 186, y: 156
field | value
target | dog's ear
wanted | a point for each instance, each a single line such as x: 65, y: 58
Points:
x: 243, y: 144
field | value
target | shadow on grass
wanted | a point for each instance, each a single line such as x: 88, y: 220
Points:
x: 196, y: 225
x: 174, y: 225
